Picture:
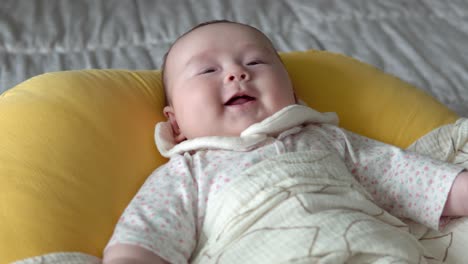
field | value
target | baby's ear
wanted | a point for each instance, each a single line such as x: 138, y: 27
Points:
x: 170, y: 115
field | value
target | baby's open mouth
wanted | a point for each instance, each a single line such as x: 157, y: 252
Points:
x: 237, y: 100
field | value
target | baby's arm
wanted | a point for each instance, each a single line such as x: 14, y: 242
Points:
x: 129, y: 254
x: 160, y: 220
x: 406, y: 184
x: 457, y: 201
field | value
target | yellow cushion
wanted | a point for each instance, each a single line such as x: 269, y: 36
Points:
x: 76, y: 146
x: 367, y: 100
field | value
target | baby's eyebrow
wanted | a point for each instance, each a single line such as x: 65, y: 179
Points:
x: 196, y: 57
x: 246, y: 48
x: 256, y: 46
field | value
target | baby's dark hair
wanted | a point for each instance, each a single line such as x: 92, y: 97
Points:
x: 163, y: 66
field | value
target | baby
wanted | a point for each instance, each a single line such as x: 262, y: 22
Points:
x: 256, y: 177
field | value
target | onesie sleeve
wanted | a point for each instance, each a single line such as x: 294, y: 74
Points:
x: 406, y: 184
x: 161, y: 216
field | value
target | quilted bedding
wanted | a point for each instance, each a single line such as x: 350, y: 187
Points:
x: 421, y: 41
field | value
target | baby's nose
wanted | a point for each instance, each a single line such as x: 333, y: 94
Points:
x: 237, y: 75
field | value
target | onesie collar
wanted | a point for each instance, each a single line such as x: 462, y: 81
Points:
x: 274, y: 126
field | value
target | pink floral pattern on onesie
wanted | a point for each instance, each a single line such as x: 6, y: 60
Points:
x: 167, y: 214
x: 403, y: 183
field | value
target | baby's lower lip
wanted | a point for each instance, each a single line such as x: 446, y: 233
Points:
x: 240, y: 100
x: 241, y: 103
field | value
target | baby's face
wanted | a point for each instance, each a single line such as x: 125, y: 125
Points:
x: 222, y: 78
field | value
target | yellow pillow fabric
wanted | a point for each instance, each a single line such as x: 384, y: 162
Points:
x: 76, y: 146
x: 367, y: 100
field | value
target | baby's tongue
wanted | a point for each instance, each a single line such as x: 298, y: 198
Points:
x: 240, y: 100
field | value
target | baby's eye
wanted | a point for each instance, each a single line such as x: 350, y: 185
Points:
x: 255, y: 62
x: 208, y: 70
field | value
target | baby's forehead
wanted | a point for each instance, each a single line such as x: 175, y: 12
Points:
x: 201, y: 39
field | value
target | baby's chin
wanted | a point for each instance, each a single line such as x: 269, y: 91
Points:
x: 237, y: 131
x: 230, y: 129
x: 231, y: 132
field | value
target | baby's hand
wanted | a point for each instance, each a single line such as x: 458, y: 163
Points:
x: 457, y: 201
x: 129, y: 254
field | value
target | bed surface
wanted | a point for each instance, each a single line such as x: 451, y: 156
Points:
x: 424, y: 42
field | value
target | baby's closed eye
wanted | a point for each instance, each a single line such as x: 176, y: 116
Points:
x: 207, y: 70
x: 254, y: 62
